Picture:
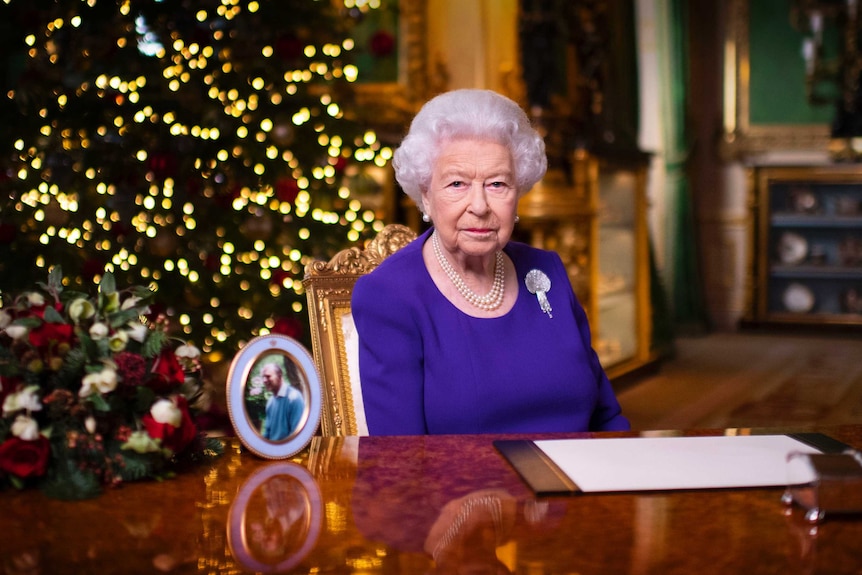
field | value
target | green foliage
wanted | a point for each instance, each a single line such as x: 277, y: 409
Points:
x: 108, y: 284
x: 154, y: 344
x: 52, y: 316
x: 144, y: 398
x: 69, y: 376
x: 76, y: 375
x: 123, y: 317
x: 66, y: 479
x: 138, y: 465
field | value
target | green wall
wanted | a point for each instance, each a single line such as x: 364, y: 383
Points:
x: 777, y: 87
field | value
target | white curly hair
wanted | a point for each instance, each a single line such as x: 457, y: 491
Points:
x: 463, y: 114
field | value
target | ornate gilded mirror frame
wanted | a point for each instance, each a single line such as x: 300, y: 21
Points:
x: 740, y: 135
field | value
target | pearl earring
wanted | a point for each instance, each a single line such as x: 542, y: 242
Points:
x: 426, y: 218
x: 517, y: 219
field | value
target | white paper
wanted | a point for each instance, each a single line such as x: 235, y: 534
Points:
x: 665, y: 463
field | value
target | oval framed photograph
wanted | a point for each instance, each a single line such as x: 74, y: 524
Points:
x: 275, y: 519
x: 274, y: 396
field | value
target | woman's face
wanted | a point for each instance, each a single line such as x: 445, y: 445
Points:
x: 472, y: 197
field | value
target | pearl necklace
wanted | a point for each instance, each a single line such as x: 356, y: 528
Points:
x: 489, y: 503
x: 488, y: 302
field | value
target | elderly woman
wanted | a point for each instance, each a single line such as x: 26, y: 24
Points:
x: 463, y: 330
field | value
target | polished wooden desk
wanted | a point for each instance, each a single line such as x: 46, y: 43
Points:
x: 388, y: 505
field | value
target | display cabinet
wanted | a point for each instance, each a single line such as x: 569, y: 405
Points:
x: 595, y: 218
x: 807, y: 245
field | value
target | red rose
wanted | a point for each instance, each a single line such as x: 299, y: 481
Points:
x: 174, y: 438
x: 167, y: 373
x: 49, y: 335
x: 24, y: 458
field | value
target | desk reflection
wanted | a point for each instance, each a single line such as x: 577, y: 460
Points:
x: 427, y: 505
x: 276, y: 518
x: 464, y: 518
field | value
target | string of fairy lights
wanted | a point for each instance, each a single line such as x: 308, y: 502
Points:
x: 249, y: 134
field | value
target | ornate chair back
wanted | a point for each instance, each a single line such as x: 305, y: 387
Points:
x: 335, y: 344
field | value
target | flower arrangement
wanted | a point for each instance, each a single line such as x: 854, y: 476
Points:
x: 94, y: 391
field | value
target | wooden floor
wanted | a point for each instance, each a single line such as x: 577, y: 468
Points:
x: 750, y: 380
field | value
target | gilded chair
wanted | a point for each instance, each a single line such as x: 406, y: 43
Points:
x: 335, y: 345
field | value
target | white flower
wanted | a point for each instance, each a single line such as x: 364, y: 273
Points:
x: 103, y: 381
x: 26, y: 428
x: 187, y: 351
x: 107, y: 381
x: 130, y: 302
x: 118, y: 341
x: 141, y: 442
x: 138, y: 331
x: 17, y: 332
x: 5, y: 319
x: 166, y: 411
x: 35, y: 299
x: 10, y: 404
x: 81, y: 309
x: 188, y: 356
x: 99, y: 331
x: 88, y: 385
x: 26, y: 399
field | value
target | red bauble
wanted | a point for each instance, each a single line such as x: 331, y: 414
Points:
x: 162, y: 165
x: 211, y: 262
x: 120, y: 230
x: 289, y: 326
x: 92, y: 267
x: 286, y: 189
x: 288, y: 48
x: 278, y: 277
x: 340, y: 164
x: 8, y: 232
x: 193, y: 187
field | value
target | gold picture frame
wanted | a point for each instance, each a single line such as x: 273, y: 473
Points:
x: 389, y: 106
x: 248, y: 396
x: 741, y: 136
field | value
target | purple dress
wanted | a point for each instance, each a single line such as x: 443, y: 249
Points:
x: 426, y: 367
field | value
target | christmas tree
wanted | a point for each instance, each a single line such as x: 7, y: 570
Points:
x: 200, y: 147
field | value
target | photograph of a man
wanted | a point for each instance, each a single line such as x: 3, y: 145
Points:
x: 284, y: 408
